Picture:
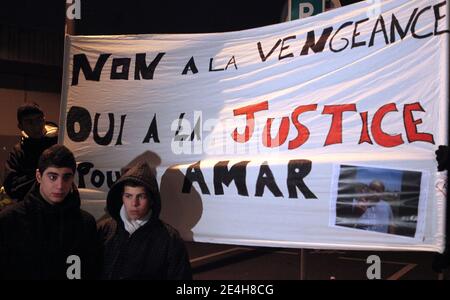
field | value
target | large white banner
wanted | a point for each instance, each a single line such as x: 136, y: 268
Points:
x: 316, y: 133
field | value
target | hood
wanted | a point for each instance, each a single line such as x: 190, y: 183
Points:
x: 145, y: 176
x: 51, y: 131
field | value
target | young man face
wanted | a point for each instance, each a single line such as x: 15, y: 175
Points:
x: 136, y: 202
x: 55, y: 183
x: 33, y: 125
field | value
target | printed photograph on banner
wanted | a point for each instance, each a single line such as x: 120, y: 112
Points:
x: 378, y: 199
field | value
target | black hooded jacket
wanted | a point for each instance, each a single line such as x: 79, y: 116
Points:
x: 36, y: 238
x: 154, y: 251
x: 20, y: 168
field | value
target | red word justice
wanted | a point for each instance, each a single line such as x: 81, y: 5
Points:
x: 380, y: 136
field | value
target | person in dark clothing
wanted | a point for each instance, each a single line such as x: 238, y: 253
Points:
x: 37, y: 135
x: 39, y: 234
x: 137, y: 244
x: 442, y: 261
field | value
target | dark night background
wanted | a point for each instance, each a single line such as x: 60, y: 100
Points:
x: 146, y: 16
x: 32, y: 32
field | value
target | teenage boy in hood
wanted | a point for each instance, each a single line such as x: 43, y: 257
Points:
x: 36, y: 136
x: 40, y: 235
x: 137, y: 244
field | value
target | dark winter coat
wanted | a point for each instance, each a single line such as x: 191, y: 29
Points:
x: 20, y: 168
x: 154, y: 251
x: 36, y: 238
